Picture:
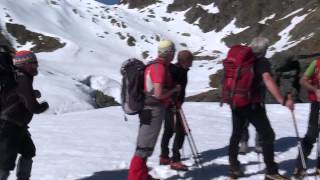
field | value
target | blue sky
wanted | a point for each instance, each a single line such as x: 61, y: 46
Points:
x: 109, y: 1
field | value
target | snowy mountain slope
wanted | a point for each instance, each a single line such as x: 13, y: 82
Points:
x: 99, y: 38
x: 98, y: 144
x: 76, y: 142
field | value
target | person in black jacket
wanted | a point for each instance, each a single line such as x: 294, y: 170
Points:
x: 173, y: 122
x: 17, y: 109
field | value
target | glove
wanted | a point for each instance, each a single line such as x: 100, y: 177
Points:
x: 37, y: 93
x: 44, y: 106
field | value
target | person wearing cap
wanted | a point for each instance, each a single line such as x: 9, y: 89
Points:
x: 18, y: 107
x: 173, y: 122
x: 158, y: 87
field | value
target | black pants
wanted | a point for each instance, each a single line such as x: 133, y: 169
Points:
x: 172, y: 125
x: 245, y: 135
x: 312, y: 133
x: 14, y: 140
x: 256, y: 115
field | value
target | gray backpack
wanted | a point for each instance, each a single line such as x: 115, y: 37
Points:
x: 132, y: 88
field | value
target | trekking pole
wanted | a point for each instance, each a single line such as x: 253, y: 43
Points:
x: 187, y: 130
x: 303, y: 161
x: 183, y: 153
x: 317, y: 154
x: 258, y: 145
x: 193, y: 147
x: 318, y: 148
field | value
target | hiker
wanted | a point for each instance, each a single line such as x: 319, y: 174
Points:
x: 288, y: 75
x: 244, y: 141
x: 17, y: 109
x: 310, y: 81
x: 158, y: 86
x: 249, y: 105
x: 173, y: 123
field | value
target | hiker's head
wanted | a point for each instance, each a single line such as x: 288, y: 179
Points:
x: 26, y: 61
x: 185, y: 59
x: 259, y: 46
x: 166, y: 50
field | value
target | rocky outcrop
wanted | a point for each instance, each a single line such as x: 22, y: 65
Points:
x: 209, y: 96
x: 138, y: 3
x: 103, y: 100
x: 41, y: 43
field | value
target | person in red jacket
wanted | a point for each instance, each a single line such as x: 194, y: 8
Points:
x: 18, y: 107
x: 158, y: 88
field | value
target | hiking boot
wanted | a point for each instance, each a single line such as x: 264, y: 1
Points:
x: 24, y: 167
x: 275, y: 177
x: 243, y: 148
x: 164, y: 160
x: 299, y: 173
x: 178, y: 166
x: 138, y: 168
x: 258, y: 149
x: 235, y: 173
x: 318, y: 171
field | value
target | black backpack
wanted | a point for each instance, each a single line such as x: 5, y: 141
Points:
x: 7, y: 70
x: 7, y: 76
x: 132, y: 88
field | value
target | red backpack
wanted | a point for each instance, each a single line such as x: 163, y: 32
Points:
x: 314, y: 80
x: 238, y: 76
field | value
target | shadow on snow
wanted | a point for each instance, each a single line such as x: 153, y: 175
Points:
x: 112, y: 175
x: 214, y: 170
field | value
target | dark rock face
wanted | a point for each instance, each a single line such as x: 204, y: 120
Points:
x: 41, y: 42
x: 138, y: 3
x: 209, y: 96
x: 103, y: 100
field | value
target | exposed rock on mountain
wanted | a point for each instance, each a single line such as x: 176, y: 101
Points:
x: 40, y: 42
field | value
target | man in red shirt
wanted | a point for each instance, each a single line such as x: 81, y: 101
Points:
x: 158, y: 86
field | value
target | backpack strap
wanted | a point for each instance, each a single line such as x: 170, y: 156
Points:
x: 150, y: 100
x: 317, y: 72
